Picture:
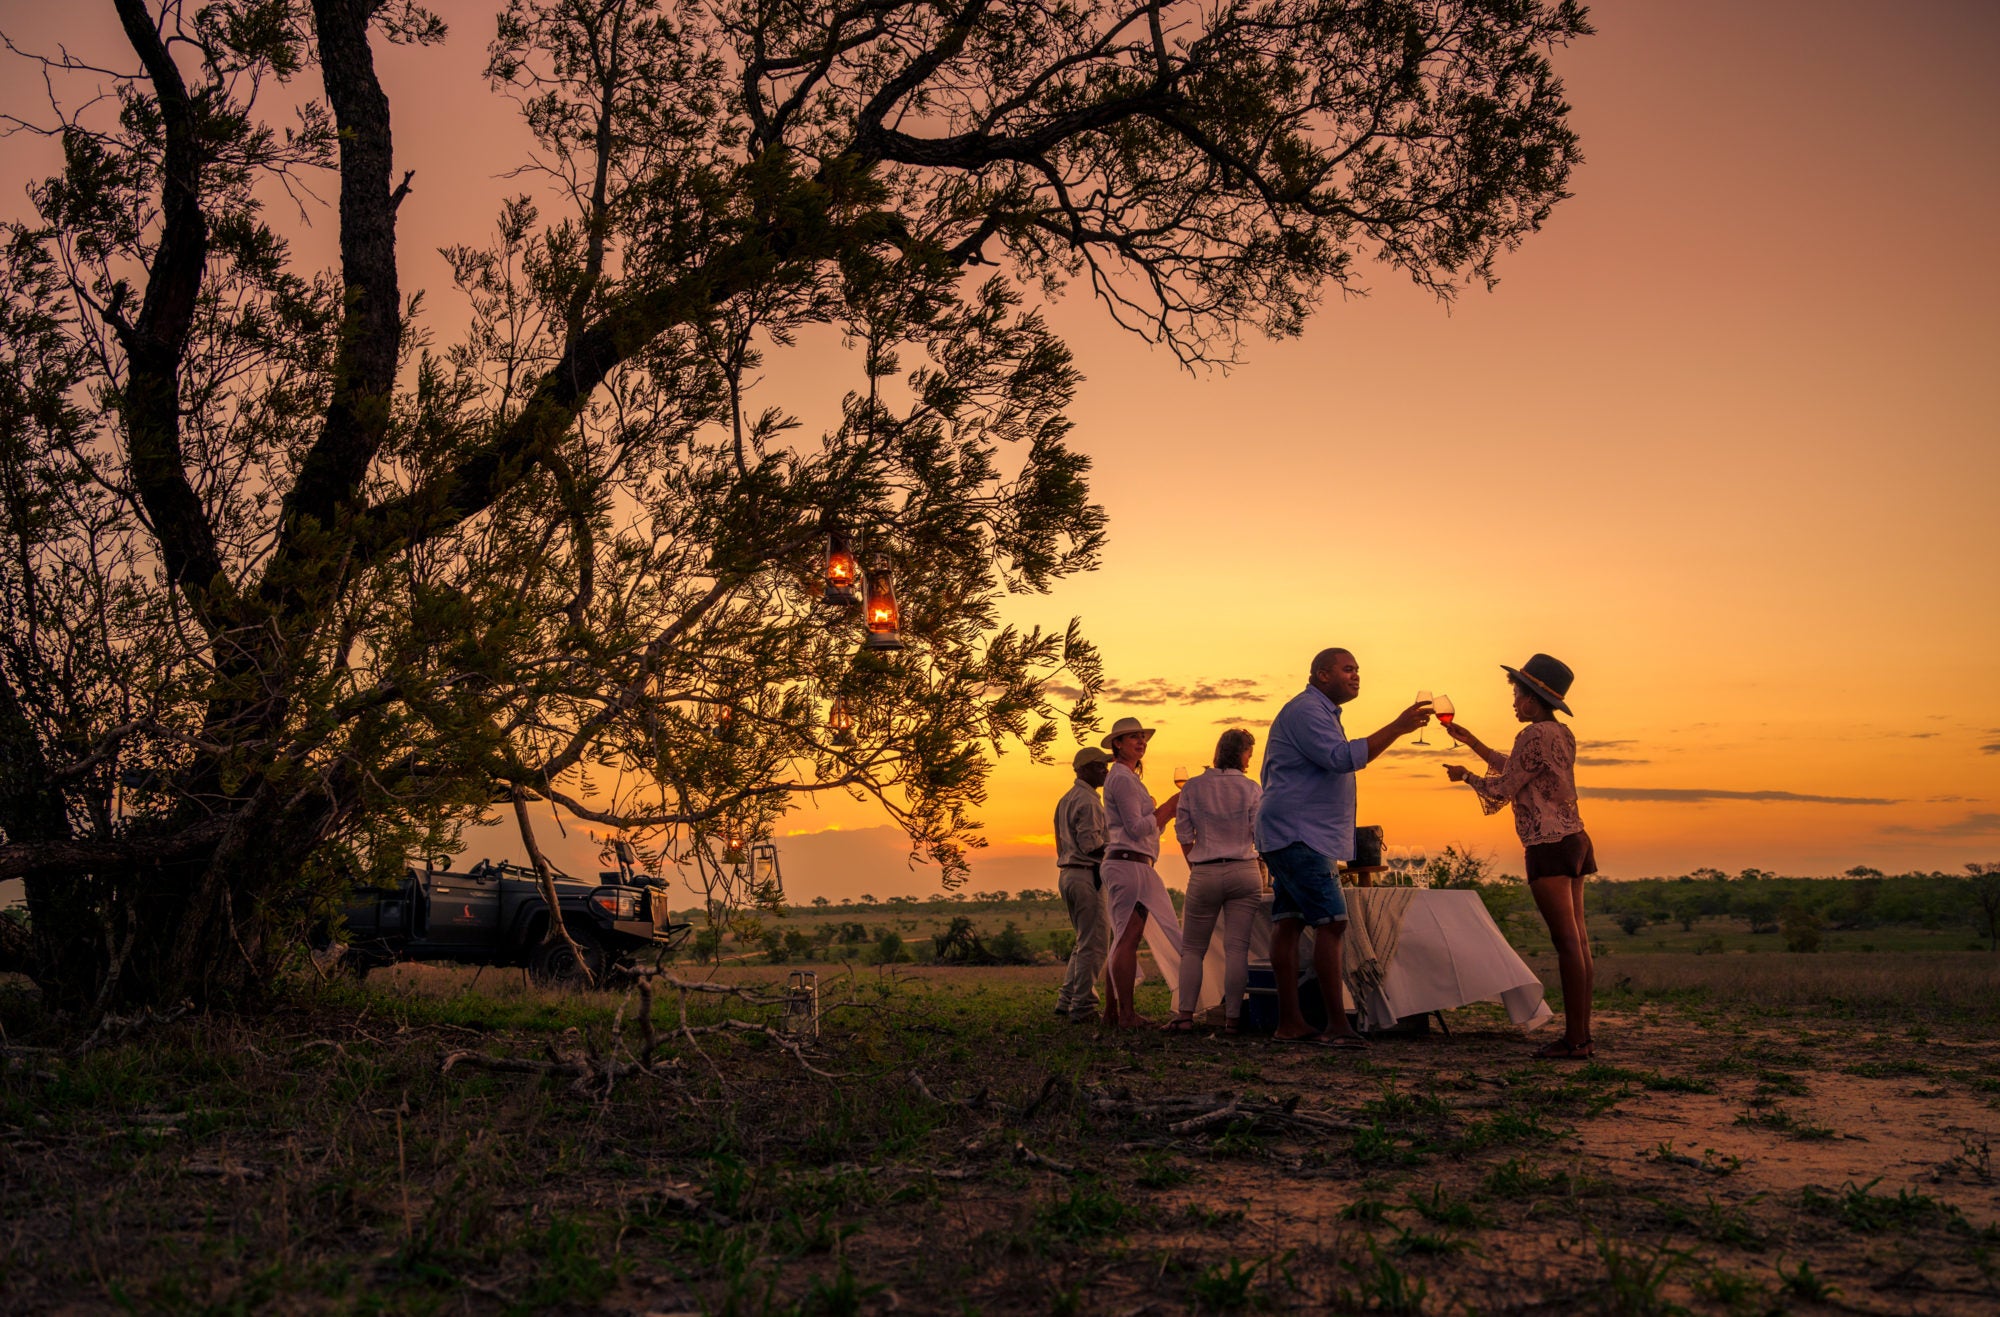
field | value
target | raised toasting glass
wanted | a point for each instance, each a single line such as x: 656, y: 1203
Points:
x: 1423, y: 697
x: 1180, y: 777
x: 1441, y: 706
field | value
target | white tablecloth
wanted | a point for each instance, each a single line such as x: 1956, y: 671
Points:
x: 1451, y: 954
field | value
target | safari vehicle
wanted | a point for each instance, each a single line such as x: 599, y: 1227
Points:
x: 496, y: 914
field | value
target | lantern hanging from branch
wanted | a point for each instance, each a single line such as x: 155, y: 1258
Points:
x: 841, y: 722
x: 843, y: 572
x: 725, y: 721
x: 883, y: 617
x: 732, y: 848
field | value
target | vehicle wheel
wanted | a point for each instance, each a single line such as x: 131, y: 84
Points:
x: 554, y: 964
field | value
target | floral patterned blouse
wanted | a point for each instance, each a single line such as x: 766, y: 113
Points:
x: 1538, y: 779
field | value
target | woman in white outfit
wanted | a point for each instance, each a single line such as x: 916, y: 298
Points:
x: 1131, y: 884
x: 1216, y: 824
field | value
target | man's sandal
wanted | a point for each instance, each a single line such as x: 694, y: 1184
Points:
x: 1178, y: 1025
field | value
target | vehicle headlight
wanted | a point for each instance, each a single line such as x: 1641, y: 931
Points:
x: 618, y: 902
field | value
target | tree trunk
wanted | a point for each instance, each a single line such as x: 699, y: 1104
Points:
x: 148, y: 936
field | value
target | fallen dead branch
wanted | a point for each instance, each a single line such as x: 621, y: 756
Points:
x: 1026, y: 1156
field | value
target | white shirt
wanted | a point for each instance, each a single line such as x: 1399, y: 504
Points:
x: 1218, y: 816
x: 1128, y: 812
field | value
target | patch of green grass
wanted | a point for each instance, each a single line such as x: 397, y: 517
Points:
x: 1733, y: 1290
x: 1719, y: 1222
x: 1441, y: 1207
x: 1859, y: 1208
x: 1803, y: 1283
x: 1159, y: 1170
x: 1425, y: 1244
x: 569, y: 1266
x: 1384, y: 1287
x: 1777, y: 1083
x: 1886, y: 1069
x: 1203, y: 1217
x: 1087, y: 1211
x: 1635, y: 1278
x: 1517, y: 1177
x: 1376, y: 1146
x: 1228, y: 1286
x: 1365, y: 1209
x: 1784, y: 1122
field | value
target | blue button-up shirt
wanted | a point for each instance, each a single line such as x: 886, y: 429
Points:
x: 1309, y: 768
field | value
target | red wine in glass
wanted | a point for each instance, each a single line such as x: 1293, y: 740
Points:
x: 1442, y: 707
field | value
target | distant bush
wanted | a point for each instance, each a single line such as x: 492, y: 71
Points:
x: 1802, y: 927
x: 1631, y: 921
x: 1010, y: 947
x: 888, y: 947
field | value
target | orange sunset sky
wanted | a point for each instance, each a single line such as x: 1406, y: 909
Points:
x: 1722, y: 439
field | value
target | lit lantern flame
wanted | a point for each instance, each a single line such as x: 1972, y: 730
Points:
x: 732, y: 848
x: 842, y: 571
x: 841, y: 721
x: 884, y: 619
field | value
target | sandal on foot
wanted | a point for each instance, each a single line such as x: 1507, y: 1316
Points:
x: 1562, y: 1049
x: 1346, y: 1042
x: 1178, y: 1025
x: 1305, y: 1039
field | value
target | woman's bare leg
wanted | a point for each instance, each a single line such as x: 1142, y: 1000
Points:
x: 1589, y: 957
x: 1125, y: 968
x: 1554, y: 899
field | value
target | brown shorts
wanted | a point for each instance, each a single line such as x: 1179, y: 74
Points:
x: 1572, y: 857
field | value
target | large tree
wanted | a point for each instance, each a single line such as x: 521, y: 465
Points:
x: 290, y: 588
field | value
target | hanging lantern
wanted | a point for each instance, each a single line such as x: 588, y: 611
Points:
x: 883, y: 618
x: 725, y: 720
x: 732, y: 848
x: 843, y: 573
x: 841, y: 722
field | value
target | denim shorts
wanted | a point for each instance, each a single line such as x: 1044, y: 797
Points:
x: 1304, y: 887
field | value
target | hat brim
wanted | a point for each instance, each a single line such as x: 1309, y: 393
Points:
x: 1146, y: 732
x: 1537, y: 689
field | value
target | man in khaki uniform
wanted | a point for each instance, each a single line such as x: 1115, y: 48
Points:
x: 1080, y: 837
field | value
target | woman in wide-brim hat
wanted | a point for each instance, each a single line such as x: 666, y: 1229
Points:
x: 1538, y: 778
x: 1132, y: 885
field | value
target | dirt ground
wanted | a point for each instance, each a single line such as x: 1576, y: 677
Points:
x: 948, y: 1145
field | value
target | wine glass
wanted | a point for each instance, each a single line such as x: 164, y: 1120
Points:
x: 1420, y: 862
x: 1423, y: 697
x: 1180, y: 777
x: 1442, y: 707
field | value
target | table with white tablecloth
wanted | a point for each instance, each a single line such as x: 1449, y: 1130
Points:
x: 1450, y: 954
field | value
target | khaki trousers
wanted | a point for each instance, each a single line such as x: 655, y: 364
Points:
x: 1090, y: 916
x: 1230, y: 892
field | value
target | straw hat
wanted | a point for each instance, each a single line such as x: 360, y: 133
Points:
x: 1125, y: 727
x: 1544, y: 678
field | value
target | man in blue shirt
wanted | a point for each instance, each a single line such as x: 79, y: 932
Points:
x: 1306, y: 823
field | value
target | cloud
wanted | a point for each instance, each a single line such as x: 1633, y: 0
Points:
x: 1993, y: 749
x: 1698, y: 795
x: 1982, y: 823
x: 1242, y: 722
x: 1918, y: 736
x: 1607, y: 761
x: 1605, y: 745
x: 1950, y: 800
x: 1158, y: 690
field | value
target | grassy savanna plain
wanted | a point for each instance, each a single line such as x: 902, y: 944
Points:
x: 1761, y: 1132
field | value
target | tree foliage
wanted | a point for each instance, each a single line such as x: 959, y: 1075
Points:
x: 292, y: 588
